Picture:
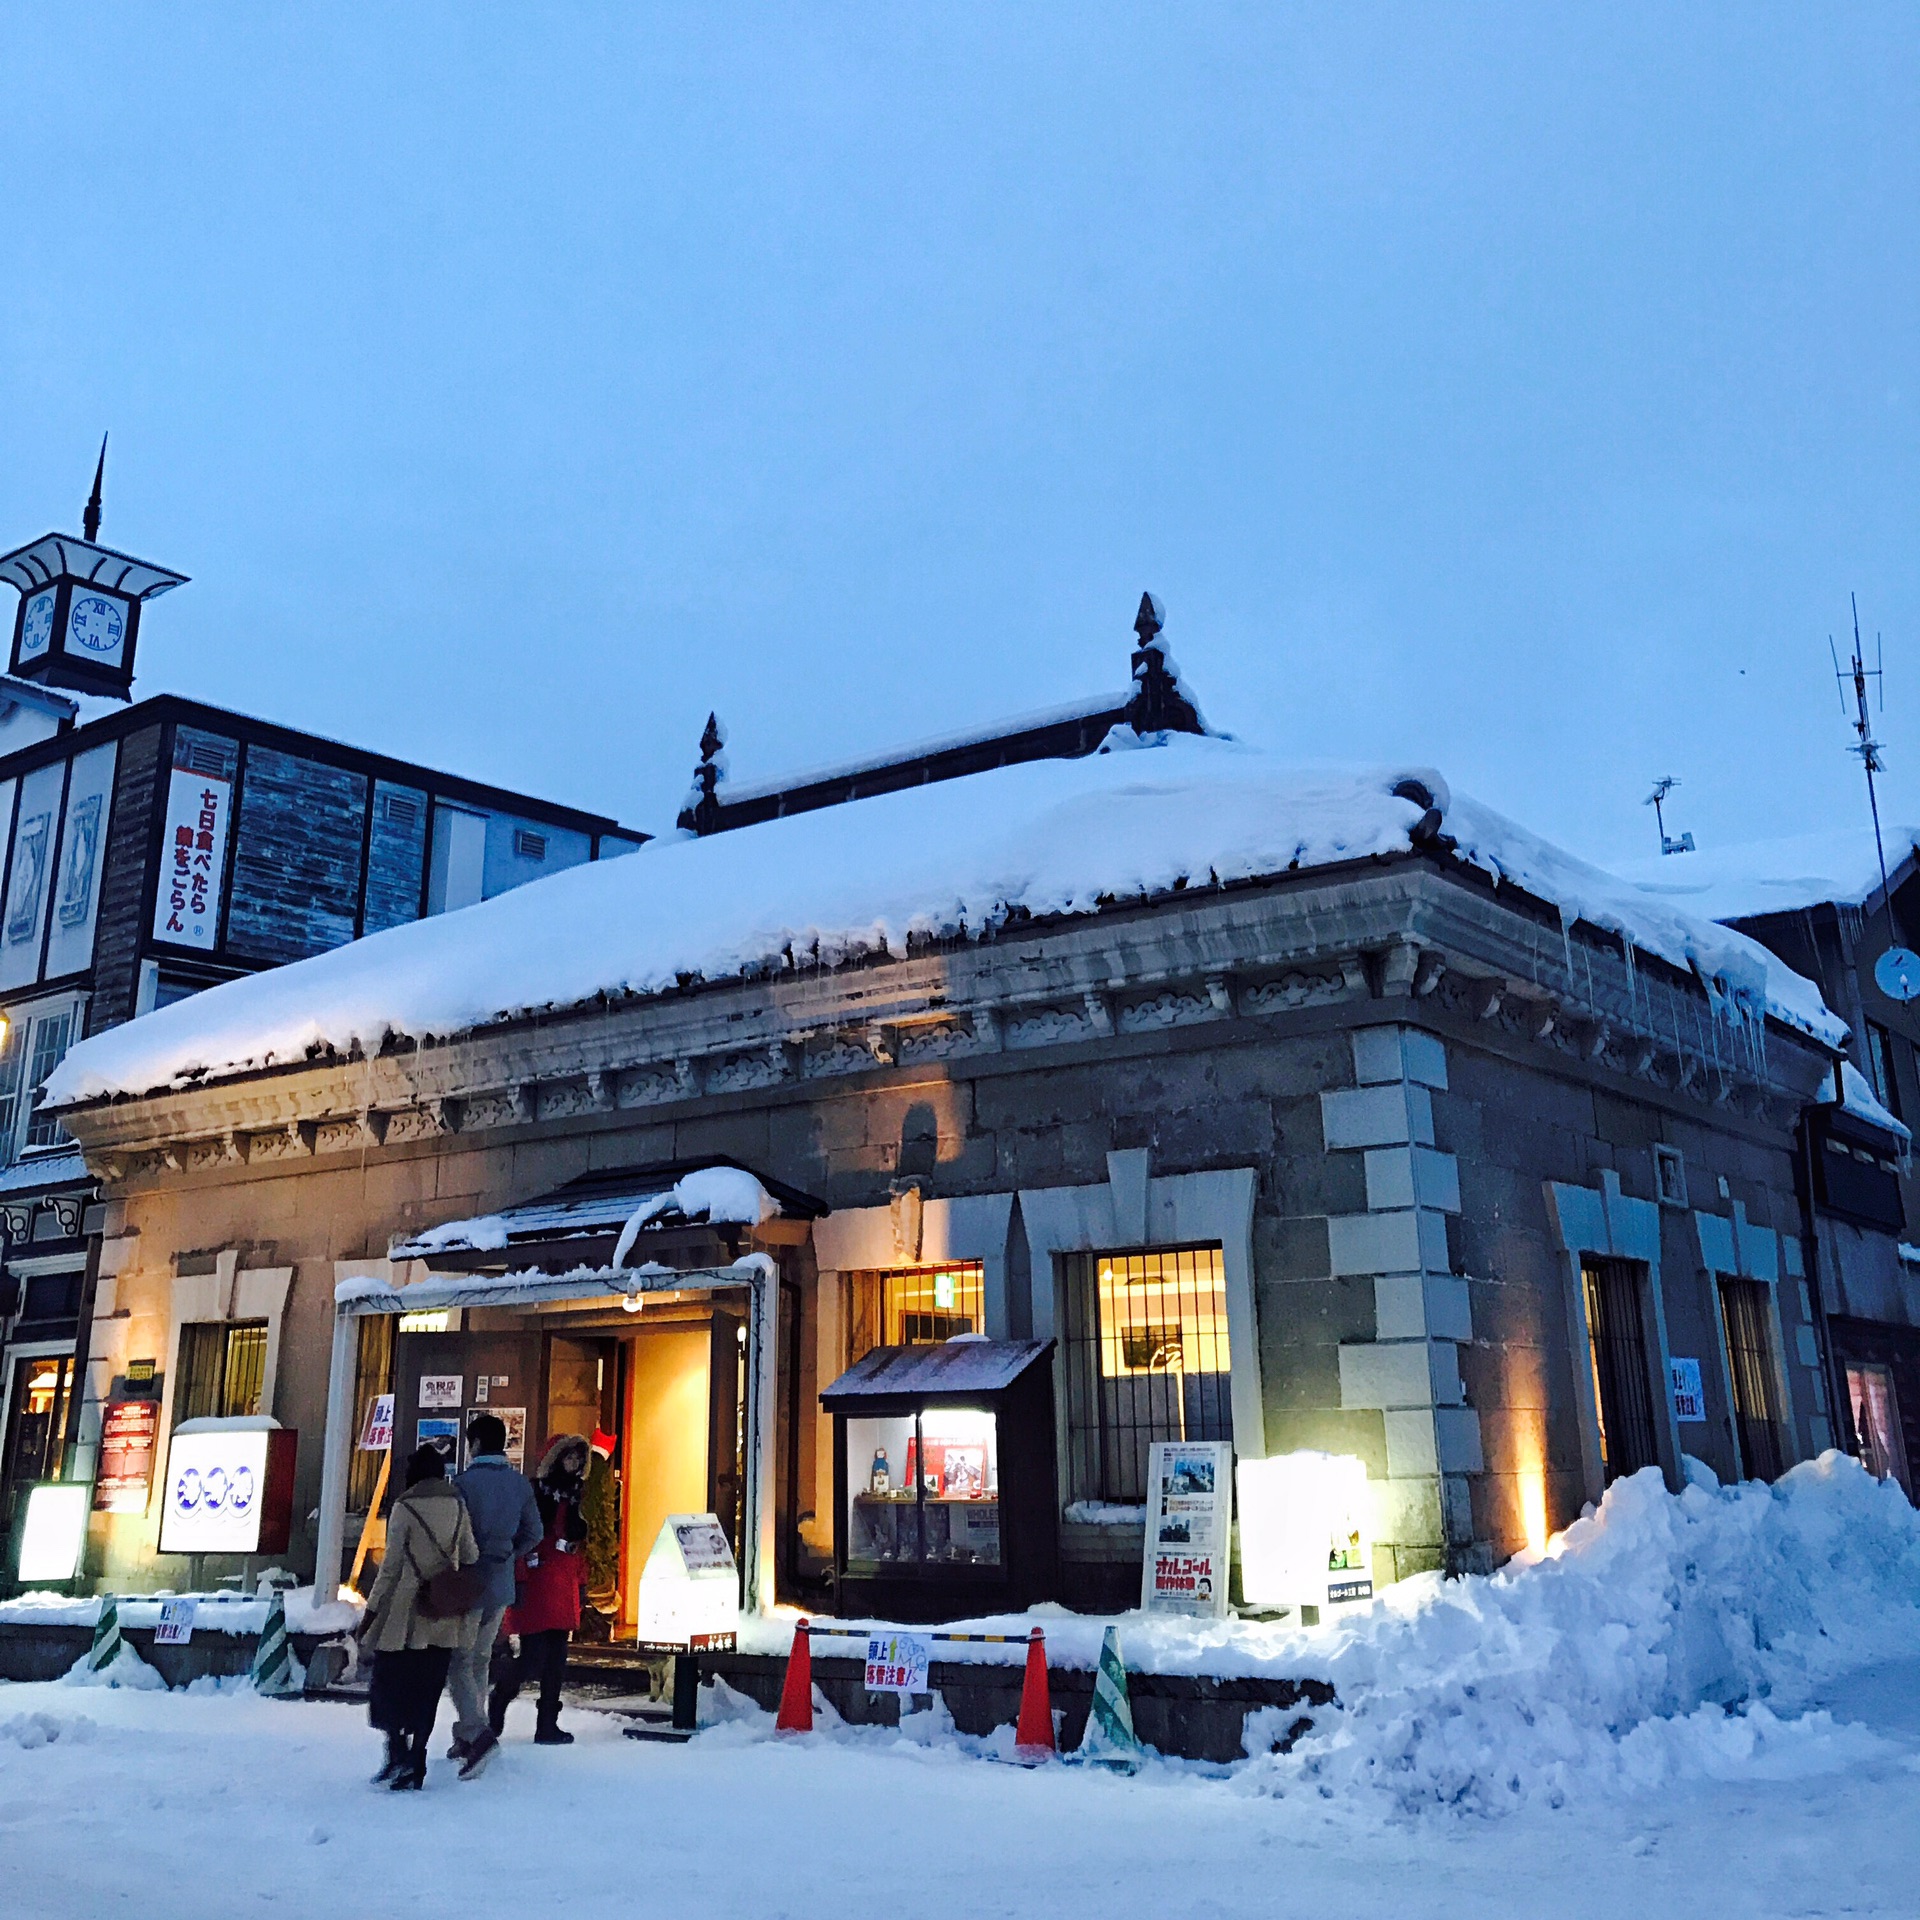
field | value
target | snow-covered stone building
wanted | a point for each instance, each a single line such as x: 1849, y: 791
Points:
x: 1305, y: 1109
x: 1825, y: 904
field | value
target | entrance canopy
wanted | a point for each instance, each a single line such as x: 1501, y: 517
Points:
x: 697, y: 1210
x: 754, y: 1274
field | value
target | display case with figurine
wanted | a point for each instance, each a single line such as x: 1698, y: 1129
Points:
x: 944, y: 1479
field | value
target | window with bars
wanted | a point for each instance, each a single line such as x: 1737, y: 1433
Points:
x: 1746, y: 1320
x: 1617, y: 1351
x: 222, y: 1370
x: 914, y: 1306
x: 1145, y: 1338
x: 35, y: 1042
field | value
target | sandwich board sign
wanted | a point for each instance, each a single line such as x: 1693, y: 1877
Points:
x: 1189, y: 1528
x: 690, y: 1587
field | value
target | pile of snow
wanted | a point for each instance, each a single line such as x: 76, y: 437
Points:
x: 30, y: 1730
x: 717, y: 1195
x: 954, y: 860
x: 125, y: 1669
x: 1665, y: 1638
x: 222, y: 1612
x: 486, y: 1233
x: 1774, y: 876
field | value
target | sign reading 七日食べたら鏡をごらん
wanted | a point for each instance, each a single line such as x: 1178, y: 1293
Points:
x: 186, y: 908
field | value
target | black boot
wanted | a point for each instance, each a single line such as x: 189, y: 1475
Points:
x: 548, y: 1732
x: 413, y: 1775
x: 497, y: 1703
x: 396, y: 1761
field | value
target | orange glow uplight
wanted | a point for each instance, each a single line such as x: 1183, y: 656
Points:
x: 1530, y: 1474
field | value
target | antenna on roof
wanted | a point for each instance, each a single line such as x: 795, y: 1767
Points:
x: 1657, y: 801
x: 1897, y: 971
x: 90, y: 518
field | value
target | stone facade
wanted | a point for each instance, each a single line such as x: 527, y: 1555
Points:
x: 1404, y: 1104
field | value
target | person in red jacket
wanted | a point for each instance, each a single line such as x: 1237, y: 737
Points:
x: 547, y: 1607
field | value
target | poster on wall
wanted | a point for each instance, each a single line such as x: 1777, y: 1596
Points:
x: 439, y: 1390
x: 514, y: 1419
x: 1189, y: 1527
x: 1689, y: 1391
x: 127, y: 1433
x: 442, y: 1435
x: 186, y: 907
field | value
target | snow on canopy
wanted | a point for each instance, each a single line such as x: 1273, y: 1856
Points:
x: 1774, y: 876
x: 951, y: 860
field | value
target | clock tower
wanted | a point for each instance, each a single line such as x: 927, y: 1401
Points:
x: 80, y: 604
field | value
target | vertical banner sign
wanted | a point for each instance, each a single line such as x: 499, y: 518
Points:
x: 125, y: 1480
x: 193, y: 858
x: 1189, y: 1527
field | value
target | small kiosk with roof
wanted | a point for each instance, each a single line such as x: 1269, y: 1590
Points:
x: 944, y: 1481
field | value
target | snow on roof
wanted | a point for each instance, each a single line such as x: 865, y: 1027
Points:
x: 1774, y: 876
x: 952, y: 860
x: 1858, y: 1097
x: 965, y: 1365
x: 925, y: 749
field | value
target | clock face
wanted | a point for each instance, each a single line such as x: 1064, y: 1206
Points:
x: 97, y: 628
x: 36, y: 634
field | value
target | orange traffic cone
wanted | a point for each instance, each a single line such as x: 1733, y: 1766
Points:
x: 796, y: 1697
x: 1033, y: 1737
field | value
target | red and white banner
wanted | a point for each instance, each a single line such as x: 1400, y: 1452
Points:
x: 193, y: 860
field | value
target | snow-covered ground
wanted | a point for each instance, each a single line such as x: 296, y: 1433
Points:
x: 1696, y: 1706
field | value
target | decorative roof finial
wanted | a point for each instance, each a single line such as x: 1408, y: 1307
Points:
x: 702, y: 811
x: 90, y: 519
x: 1159, y: 704
x: 1150, y: 619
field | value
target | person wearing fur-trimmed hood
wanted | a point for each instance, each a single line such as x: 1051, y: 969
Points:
x: 552, y: 1578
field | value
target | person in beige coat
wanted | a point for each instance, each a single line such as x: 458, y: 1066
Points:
x: 428, y: 1533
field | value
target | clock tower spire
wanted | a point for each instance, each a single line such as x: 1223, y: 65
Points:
x: 90, y: 518
x: 80, y: 604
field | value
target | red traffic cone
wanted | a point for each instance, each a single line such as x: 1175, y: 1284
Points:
x: 1033, y: 1737
x: 796, y: 1697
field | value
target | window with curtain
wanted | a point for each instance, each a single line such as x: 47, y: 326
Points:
x: 1617, y: 1351
x: 221, y: 1372
x: 372, y: 1376
x: 1147, y: 1357
x: 1746, y: 1317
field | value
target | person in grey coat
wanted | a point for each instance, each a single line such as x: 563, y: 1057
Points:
x: 506, y: 1524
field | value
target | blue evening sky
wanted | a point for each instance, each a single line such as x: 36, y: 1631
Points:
x: 1515, y: 389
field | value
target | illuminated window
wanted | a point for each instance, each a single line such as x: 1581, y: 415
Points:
x: 1147, y: 1359
x: 1745, y: 1317
x: 372, y: 1376
x: 914, y: 1306
x: 1617, y: 1354
x: 222, y: 1371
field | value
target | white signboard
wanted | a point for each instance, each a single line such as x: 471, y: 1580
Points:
x: 193, y: 860
x: 898, y: 1662
x: 1189, y: 1527
x: 689, y: 1588
x: 176, y: 1623
x: 377, y: 1435
x: 1305, y: 1530
x: 440, y: 1389
x: 214, y: 1487
x: 1689, y: 1391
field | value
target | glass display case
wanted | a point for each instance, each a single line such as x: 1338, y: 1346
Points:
x: 944, y: 1478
